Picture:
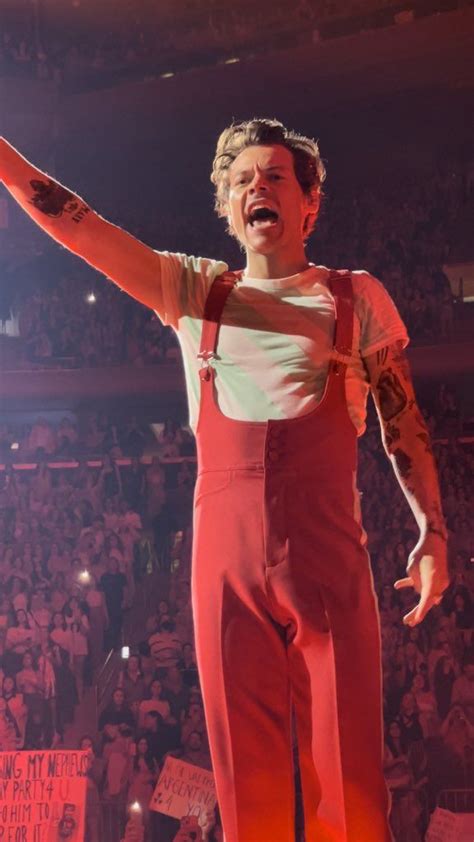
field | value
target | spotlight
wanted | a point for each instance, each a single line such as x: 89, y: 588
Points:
x: 90, y: 298
x: 84, y: 577
x: 125, y: 653
x: 166, y: 75
x: 135, y: 807
x: 14, y: 445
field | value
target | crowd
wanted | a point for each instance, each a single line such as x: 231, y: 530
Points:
x: 74, y: 544
x: 147, y: 42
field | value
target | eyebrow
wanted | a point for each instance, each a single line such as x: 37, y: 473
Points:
x: 265, y: 169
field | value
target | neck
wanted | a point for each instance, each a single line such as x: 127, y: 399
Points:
x: 275, y: 265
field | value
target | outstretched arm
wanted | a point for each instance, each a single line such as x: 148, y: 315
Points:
x: 132, y: 265
x: 407, y: 443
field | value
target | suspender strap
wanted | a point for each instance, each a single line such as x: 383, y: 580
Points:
x: 220, y: 290
x: 340, y: 285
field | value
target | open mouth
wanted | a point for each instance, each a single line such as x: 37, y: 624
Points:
x: 262, y: 218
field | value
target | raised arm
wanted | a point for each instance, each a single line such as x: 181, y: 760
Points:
x: 132, y: 265
x: 407, y: 443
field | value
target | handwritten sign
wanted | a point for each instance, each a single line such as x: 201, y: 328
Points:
x: 42, y: 796
x: 450, y: 827
x: 183, y: 790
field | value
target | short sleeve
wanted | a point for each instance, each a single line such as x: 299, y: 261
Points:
x: 380, y: 321
x: 185, y: 283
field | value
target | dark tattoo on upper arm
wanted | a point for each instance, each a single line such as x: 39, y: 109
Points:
x: 392, y: 396
x: 400, y: 359
x: 403, y: 462
x: 53, y: 200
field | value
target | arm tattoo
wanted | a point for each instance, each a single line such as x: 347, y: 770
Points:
x: 400, y: 359
x: 392, y: 396
x: 53, y: 200
x: 392, y: 434
x: 424, y: 437
x: 403, y: 462
x: 436, y: 529
x: 436, y: 524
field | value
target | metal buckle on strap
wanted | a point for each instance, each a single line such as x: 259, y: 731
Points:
x: 205, y: 356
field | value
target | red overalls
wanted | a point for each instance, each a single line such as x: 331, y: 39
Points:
x: 285, y: 611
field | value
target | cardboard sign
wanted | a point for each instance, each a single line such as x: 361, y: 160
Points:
x: 183, y: 790
x: 446, y: 826
x: 42, y: 796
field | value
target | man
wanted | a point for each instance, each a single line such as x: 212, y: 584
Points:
x: 279, y: 359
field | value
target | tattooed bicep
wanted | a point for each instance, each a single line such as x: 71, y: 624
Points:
x: 390, y: 380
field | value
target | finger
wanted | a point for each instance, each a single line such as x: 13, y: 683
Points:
x: 424, y: 605
x: 404, y: 583
x: 419, y: 612
x: 409, y: 619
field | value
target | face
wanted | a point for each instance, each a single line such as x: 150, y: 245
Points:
x: 118, y: 697
x: 194, y: 741
x: 8, y: 685
x: 265, y: 175
x: 156, y: 688
x: 394, y: 729
x: 142, y: 746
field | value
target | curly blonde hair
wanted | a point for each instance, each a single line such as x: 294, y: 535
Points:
x: 309, y: 168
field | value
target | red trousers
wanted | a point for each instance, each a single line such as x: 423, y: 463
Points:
x: 285, y: 612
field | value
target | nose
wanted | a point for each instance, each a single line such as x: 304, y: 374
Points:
x: 258, y: 182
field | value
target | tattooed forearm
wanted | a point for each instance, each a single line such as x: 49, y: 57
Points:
x: 425, y: 438
x: 404, y: 463
x: 54, y: 200
x: 436, y: 524
x: 392, y: 435
x: 391, y: 393
x: 434, y: 529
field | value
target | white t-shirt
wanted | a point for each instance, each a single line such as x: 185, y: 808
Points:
x: 275, y: 364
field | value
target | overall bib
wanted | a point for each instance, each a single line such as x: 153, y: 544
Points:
x: 285, y: 611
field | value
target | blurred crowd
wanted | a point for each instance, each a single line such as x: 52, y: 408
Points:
x: 78, y: 539
x: 428, y: 669
x: 142, y: 41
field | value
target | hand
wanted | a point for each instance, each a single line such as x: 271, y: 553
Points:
x: 427, y: 573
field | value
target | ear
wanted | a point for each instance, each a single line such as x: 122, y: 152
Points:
x: 314, y: 200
